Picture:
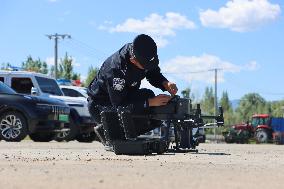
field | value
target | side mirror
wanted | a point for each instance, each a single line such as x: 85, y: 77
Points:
x: 34, y: 91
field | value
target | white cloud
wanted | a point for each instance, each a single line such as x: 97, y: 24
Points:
x: 52, y: 1
x: 158, y: 26
x: 200, y: 68
x: 241, y: 15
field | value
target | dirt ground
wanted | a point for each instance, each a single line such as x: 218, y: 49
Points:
x: 79, y: 165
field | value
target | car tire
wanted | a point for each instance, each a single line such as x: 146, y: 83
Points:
x: 87, y: 137
x: 203, y: 139
x: 42, y: 137
x: 13, y: 126
x: 68, y: 135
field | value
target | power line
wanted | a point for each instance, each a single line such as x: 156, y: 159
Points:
x: 82, y: 50
x: 246, y: 87
x: 193, y: 72
x: 85, y: 49
x: 85, y: 45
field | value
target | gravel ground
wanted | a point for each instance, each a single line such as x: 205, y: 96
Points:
x: 78, y: 165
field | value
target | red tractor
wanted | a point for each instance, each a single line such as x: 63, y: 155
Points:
x: 239, y: 133
x: 263, y: 127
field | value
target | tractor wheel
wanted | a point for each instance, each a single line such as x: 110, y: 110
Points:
x: 262, y: 135
x: 230, y: 138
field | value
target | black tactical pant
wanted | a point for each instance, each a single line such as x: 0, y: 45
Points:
x: 142, y: 125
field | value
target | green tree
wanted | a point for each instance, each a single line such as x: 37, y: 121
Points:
x: 187, y: 93
x: 35, y: 65
x: 5, y: 66
x: 76, y: 76
x: 44, y: 68
x: 66, y: 67
x: 229, y: 117
x: 52, y: 71
x: 92, y: 72
x: 207, y: 103
x: 250, y: 104
x: 277, y: 108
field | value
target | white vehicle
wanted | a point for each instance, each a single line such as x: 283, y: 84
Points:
x: 81, y: 125
x: 74, y: 91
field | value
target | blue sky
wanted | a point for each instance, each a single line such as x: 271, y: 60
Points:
x: 242, y: 38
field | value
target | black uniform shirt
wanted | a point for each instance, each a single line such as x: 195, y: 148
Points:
x: 118, y: 76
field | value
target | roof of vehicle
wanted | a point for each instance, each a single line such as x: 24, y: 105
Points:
x: 71, y: 87
x: 3, y: 72
x: 261, y: 115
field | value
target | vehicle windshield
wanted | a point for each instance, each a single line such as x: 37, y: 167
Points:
x: 84, y: 91
x: 5, y: 89
x: 49, y: 86
x: 259, y: 121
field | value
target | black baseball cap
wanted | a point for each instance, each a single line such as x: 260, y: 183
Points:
x: 145, y: 51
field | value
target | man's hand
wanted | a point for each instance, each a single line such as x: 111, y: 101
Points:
x: 159, y: 100
x: 170, y: 87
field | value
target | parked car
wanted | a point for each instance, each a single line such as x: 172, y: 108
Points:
x: 81, y: 125
x: 75, y: 91
x: 200, y: 135
x: 22, y: 115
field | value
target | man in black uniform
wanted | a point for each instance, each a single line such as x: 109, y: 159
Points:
x: 118, y: 81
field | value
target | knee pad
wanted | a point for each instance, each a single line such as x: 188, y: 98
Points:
x: 95, y: 111
x: 111, y: 125
x: 126, y: 121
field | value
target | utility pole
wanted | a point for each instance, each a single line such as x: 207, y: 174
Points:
x: 56, y: 37
x: 215, y: 97
x: 215, y: 101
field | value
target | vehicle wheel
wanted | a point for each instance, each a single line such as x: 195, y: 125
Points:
x: 203, y: 139
x: 262, y: 136
x: 68, y: 135
x: 86, y: 137
x: 162, y: 147
x: 42, y: 137
x: 13, y: 127
x: 229, y: 138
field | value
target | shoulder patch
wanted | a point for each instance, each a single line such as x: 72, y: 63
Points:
x: 118, y: 84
